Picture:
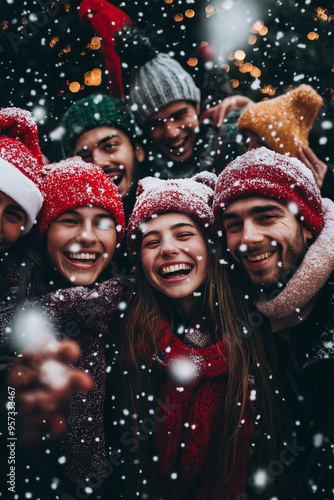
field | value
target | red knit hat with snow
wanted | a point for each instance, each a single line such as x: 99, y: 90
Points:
x: 74, y: 183
x: 21, y: 162
x: 262, y: 172
x: 193, y: 197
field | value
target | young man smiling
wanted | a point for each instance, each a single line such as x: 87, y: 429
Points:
x: 100, y: 130
x: 166, y: 103
x: 280, y: 234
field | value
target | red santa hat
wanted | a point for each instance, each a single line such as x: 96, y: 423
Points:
x: 74, y: 183
x: 155, y: 196
x: 262, y: 172
x: 21, y: 162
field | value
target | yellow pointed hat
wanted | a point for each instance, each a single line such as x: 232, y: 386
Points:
x: 283, y: 123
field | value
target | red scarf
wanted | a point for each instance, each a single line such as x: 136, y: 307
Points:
x: 184, y: 422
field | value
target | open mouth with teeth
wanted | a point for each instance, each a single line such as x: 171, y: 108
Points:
x: 178, y: 147
x: 262, y: 256
x: 175, y: 271
x: 259, y: 259
x: 82, y: 257
x: 115, y: 176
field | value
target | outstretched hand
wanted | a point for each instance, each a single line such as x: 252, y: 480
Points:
x: 217, y: 113
x: 317, y: 167
x: 43, y: 383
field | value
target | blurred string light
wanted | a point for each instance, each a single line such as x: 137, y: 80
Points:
x: 93, y: 78
x: 95, y: 43
x: 74, y: 87
x: 189, y: 13
x: 244, y: 67
x: 322, y: 14
x: 268, y: 89
x: 192, y: 61
x: 226, y: 67
x: 313, y: 35
x: 209, y: 10
x: 53, y: 42
x: 178, y: 18
x: 65, y: 50
x: 252, y: 39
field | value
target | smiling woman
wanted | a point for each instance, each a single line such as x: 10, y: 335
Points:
x: 185, y: 361
x: 81, y: 243
x: 82, y: 220
x: 81, y: 225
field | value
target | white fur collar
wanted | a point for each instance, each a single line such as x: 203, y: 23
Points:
x: 297, y: 299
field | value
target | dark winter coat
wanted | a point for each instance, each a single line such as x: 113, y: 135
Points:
x: 302, y: 319
x: 76, y: 465
x: 307, y: 370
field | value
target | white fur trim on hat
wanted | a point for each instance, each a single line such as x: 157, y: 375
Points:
x: 23, y: 190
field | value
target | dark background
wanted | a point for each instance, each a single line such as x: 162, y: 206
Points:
x: 43, y: 48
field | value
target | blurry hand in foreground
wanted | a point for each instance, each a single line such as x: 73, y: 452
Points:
x: 44, y: 381
x: 317, y: 167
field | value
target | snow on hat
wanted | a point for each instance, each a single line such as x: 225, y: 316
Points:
x: 283, y: 123
x: 94, y: 111
x: 156, y: 79
x: 74, y: 183
x: 21, y: 162
x: 262, y: 172
x: 155, y: 196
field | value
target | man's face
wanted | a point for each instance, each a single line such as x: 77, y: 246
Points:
x: 12, y: 220
x: 173, y: 129
x: 265, y: 237
x: 111, y: 149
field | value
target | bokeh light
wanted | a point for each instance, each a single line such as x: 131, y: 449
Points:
x: 192, y: 61
x: 74, y: 87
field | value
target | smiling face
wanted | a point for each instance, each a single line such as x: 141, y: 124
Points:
x: 173, y: 129
x: 112, y: 150
x: 266, y: 239
x: 174, y: 256
x: 12, y: 220
x: 81, y: 243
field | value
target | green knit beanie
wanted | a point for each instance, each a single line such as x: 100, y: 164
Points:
x: 94, y: 111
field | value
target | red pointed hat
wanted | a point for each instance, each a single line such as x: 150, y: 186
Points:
x: 262, y: 172
x: 106, y: 20
x: 21, y: 162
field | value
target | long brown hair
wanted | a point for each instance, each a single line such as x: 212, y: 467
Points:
x: 227, y: 313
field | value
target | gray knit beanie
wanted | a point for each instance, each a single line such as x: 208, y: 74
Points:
x: 156, y: 79
x: 159, y: 82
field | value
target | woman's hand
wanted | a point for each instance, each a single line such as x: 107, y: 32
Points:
x: 43, y: 383
x: 317, y: 167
